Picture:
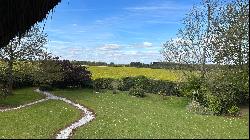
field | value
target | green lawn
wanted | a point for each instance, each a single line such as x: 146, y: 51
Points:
x: 42, y: 120
x: 123, y: 116
x: 119, y: 72
x: 20, y: 96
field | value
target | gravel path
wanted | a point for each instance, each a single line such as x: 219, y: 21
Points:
x: 66, y: 132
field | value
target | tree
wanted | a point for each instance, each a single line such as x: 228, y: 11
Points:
x: 48, y: 71
x: 29, y: 47
x: 217, y: 33
x: 193, y: 42
x: 231, y: 29
x: 72, y: 75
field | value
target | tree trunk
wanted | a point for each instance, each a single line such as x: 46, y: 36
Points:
x: 203, y: 67
x: 10, y: 77
x: 10, y: 72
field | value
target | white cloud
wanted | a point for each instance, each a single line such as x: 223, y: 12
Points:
x: 147, y: 44
x: 108, y: 47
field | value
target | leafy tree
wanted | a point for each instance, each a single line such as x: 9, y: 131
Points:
x: 73, y: 75
x: 29, y: 47
x: 231, y: 29
x: 48, y: 71
x: 193, y: 42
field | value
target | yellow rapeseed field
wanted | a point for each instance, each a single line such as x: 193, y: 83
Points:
x: 119, y: 72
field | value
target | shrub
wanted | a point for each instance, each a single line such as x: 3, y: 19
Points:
x: 20, y: 79
x: 192, y: 88
x: 129, y: 82
x: 196, y: 107
x: 45, y: 88
x: 115, y: 84
x: 166, y: 88
x: 221, y: 92
x: 234, y: 111
x: 24, y: 80
x: 73, y: 75
x: 150, y: 86
x: 137, y: 91
x: 103, y: 83
x: 3, y: 91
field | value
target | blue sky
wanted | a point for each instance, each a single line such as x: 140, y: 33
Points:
x: 117, y: 31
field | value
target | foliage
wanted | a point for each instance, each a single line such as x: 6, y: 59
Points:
x: 215, y: 31
x: 234, y: 111
x: 231, y: 33
x: 197, y: 108
x: 138, y: 81
x: 45, y: 88
x: 219, y: 91
x: 166, y: 88
x: 29, y: 47
x: 73, y: 75
x: 3, y: 92
x: 137, y: 91
x: 103, y: 83
x: 48, y: 71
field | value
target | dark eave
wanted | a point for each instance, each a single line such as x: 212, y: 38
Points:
x: 18, y: 16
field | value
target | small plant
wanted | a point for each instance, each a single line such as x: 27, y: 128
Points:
x: 196, y: 107
x: 137, y: 91
x: 115, y: 85
x: 234, y: 111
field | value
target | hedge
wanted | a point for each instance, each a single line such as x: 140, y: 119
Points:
x: 162, y: 87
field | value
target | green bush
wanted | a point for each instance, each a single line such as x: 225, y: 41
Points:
x: 234, y: 110
x: 196, y: 107
x: 192, y: 88
x: 137, y: 91
x: 221, y: 92
x: 166, y: 88
x: 150, y: 86
x: 103, y: 83
x: 129, y: 82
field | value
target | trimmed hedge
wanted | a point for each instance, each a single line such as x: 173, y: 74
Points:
x: 137, y: 91
x: 166, y: 88
x: 103, y: 83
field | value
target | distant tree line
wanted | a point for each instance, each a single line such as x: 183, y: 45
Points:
x: 153, y: 65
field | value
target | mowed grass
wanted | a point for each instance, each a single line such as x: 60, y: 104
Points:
x: 119, y: 72
x: 42, y: 120
x: 21, y: 96
x: 123, y: 116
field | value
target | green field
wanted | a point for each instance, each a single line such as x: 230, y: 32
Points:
x: 123, y: 116
x: 119, y: 72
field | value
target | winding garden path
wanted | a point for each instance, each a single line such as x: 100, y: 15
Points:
x: 66, y: 132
